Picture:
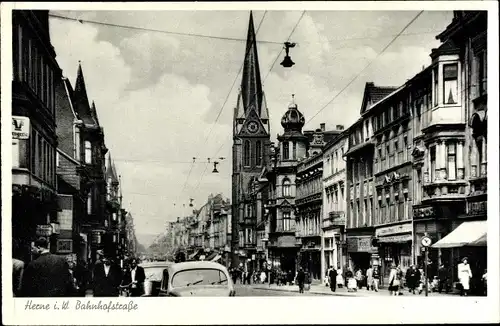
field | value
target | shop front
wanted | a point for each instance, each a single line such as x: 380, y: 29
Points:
x: 361, y: 252
x: 395, y: 246
x: 333, y: 251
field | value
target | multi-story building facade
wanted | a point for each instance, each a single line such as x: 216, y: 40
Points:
x: 454, y: 140
x: 360, y: 185
x: 309, y: 208
x: 333, y: 243
x: 280, y: 178
x: 251, y: 142
x: 393, y: 176
x: 72, y: 212
x: 90, y: 135
x: 34, y: 141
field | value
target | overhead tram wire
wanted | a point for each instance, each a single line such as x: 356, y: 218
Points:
x: 81, y: 21
x: 366, y: 67
x: 269, y: 71
x: 233, y: 39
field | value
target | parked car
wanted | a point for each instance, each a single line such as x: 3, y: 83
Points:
x: 197, y: 279
x: 154, y: 275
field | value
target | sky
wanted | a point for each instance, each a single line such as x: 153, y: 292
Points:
x: 161, y: 97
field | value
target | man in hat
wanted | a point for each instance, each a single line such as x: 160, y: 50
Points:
x: 106, y: 279
x: 48, y: 275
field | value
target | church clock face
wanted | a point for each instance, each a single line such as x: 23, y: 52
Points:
x: 253, y: 127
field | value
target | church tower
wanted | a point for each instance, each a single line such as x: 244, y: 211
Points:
x: 251, y: 144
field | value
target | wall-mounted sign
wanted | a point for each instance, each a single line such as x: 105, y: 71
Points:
x: 424, y: 212
x: 20, y: 127
x: 44, y: 230
x: 393, y: 229
x: 477, y: 208
x: 360, y: 244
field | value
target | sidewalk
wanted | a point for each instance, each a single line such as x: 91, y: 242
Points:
x: 324, y: 290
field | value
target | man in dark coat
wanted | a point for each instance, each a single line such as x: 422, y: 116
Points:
x: 332, y: 275
x: 301, y: 279
x: 48, y: 275
x: 106, y: 279
x: 135, y: 276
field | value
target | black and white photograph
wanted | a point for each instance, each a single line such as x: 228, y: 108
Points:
x: 241, y: 151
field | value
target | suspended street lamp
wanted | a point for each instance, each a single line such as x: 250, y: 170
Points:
x: 287, y: 61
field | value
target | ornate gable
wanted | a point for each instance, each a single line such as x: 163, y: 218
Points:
x: 253, y: 126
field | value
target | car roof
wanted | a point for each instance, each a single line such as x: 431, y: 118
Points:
x: 196, y: 265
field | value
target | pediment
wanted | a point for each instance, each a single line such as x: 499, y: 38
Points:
x: 253, y: 126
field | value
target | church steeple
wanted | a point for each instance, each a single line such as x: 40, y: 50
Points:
x: 251, y: 86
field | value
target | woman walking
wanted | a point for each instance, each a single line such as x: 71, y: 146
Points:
x: 394, y: 280
x: 464, y: 275
x: 301, y: 277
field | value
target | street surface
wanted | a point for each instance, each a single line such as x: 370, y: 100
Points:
x: 251, y: 291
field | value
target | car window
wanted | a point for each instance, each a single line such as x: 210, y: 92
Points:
x: 194, y: 277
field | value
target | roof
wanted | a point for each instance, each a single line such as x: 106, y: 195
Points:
x: 374, y: 94
x: 111, y: 170
x: 81, y: 100
x: 195, y: 265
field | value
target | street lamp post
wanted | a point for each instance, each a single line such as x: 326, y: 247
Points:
x: 426, y: 242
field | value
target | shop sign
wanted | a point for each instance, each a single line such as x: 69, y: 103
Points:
x: 393, y: 229
x: 20, y: 127
x: 360, y: 244
x: 477, y: 208
x: 424, y: 212
x: 396, y: 238
x: 44, y: 230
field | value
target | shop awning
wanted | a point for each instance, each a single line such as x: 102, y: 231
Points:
x: 216, y: 258
x: 472, y: 233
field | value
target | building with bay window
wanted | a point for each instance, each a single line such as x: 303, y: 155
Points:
x: 34, y: 140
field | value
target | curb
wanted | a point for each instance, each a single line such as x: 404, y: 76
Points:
x: 313, y: 292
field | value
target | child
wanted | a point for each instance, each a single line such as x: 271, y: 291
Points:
x: 435, y: 284
x: 352, y: 285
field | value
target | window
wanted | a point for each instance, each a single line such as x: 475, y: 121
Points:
x: 114, y: 216
x: 88, y: 152
x: 286, y: 149
x: 395, y: 112
x: 450, y: 86
x: 436, y: 85
x: 286, y: 221
x: 406, y: 149
x: 294, y: 150
x: 89, y: 203
x: 353, y: 214
x: 358, y: 212
x: 452, y: 161
x: 365, y: 214
x: 482, y: 72
x: 15, y: 153
x: 258, y: 153
x: 433, y: 163
x: 286, y: 188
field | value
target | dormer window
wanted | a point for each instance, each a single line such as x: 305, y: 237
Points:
x: 88, y: 152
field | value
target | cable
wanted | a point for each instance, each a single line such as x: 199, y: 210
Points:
x: 81, y: 21
x: 288, y: 39
x: 366, y: 67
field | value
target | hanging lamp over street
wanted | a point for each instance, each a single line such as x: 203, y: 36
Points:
x: 287, y: 61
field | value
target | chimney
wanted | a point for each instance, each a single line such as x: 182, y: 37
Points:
x: 322, y: 126
x: 340, y: 127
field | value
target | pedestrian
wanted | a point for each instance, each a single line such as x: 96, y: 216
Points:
x: 17, y: 268
x: 484, y: 279
x: 376, y: 277
x: 46, y: 276
x: 394, y: 280
x: 412, y: 278
x: 351, y: 281
x: 263, y: 277
x: 369, y: 278
x: 464, y: 276
x: 82, y: 276
x: 332, y: 278
x: 300, y: 279
x: 106, y: 279
x: 135, y: 276
x: 340, y: 278
x: 443, y: 279
x: 359, y: 278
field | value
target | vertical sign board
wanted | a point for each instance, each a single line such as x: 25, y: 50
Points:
x: 20, y: 127
x: 65, y: 215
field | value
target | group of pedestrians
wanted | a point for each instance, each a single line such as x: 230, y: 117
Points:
x: 50, y: 275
